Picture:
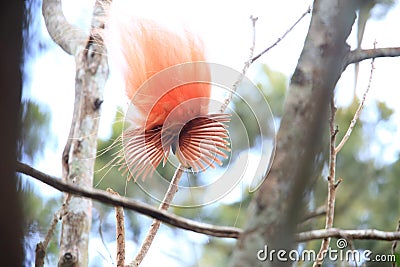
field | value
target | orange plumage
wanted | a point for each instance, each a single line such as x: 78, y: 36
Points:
x: 171, y: 100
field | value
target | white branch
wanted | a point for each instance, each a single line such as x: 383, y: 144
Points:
x: 67, y: 36
x: 371, y: 234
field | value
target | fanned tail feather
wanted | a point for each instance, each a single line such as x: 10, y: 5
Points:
x: 200, y: 144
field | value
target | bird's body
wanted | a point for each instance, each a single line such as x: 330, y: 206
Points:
x: 169, y: 89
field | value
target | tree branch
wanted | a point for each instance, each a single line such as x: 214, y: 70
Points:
x: 330, y: 212
x: 245, y: 67
x: 394, y: 245
x: 145, y: 209
x: 67, y: 36
x: 358, y: 111
x: 360, y: 55
x: 372, y: 234
x: 308, y: 11
x: 41, y: 247
x: 120, y: 232
x: 177, y: 221
x: 321, y: 210
x: 334, y: 150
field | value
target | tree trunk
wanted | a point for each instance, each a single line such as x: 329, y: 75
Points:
x: 11, y: 233
x: 276, y: 207
x: 80, y: 152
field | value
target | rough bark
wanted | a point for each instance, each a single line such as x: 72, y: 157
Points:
x: 277, y: 206
x: 80, y: 152
x: 60, y: 30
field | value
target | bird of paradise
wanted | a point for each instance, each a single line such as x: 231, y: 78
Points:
x: 169, y: 86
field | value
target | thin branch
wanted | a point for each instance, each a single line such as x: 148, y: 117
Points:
x: 100, y: 231
x: 169, y: 195
x: 41, y: 247
x: 307, y: 218
x: 394, y: 245
x: 282, y: 37
x: 143, y: 208
x: 56, y: 218
x: 358, y: 111
x: 332, y: 185
x: 245, y: 67
x: 351, y: 246
x: 67, y: 36
x: 120, y: 232
x: 321, y: 210
x: 360, y: 55
x: 366, y: 234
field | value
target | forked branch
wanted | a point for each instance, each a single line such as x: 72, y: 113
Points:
x: 334, y: 150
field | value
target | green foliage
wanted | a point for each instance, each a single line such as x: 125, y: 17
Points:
x: 38, y: 214
x: 38, y: 211
x: 216, y: 253
x: 383, y: 111
x: 35, y: 125
x: 272, y: 87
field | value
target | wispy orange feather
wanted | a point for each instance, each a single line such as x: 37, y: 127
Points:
x: 168, y: 117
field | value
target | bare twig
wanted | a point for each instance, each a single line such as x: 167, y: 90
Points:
x: 332, y: 183
x: 352, y: 247
x: 71, y: 39
x: 360, y: 55
x: 57, y: 217
x: 332, y: 186
x: 120, y: 232
x: 365, y: 234
x: 41, y: 247
x: 358, y: 111
x: 143, y: 208
x: 252, y: 59
x: 100, y: 231
x: 245, y: 67
x: 282, y: 37
x: 321, y: 210
x: 307, y: 218
x: 394, y: 245
x: 169, y: 195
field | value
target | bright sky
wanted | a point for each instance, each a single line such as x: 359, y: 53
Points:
x: 226, y: 30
